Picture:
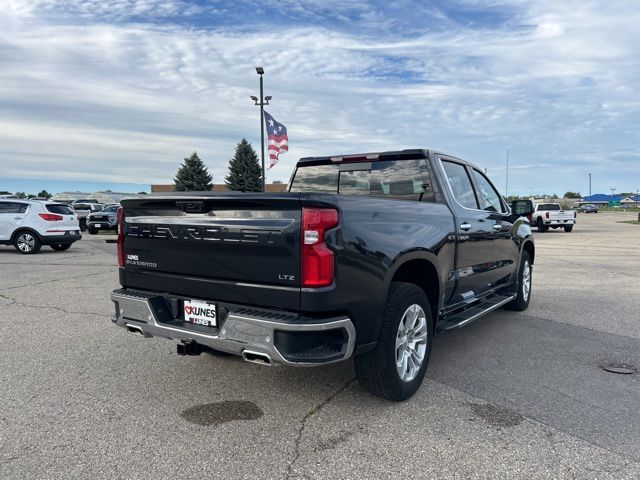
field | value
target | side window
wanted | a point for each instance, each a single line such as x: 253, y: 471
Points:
x: 460, y: 184
x: 10, y: 207
x: 488, y: 196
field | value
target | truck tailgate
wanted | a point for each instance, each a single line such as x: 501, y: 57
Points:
x: 236, y: 248
x: 561, y: 215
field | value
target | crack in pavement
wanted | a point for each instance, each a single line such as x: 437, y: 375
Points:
x: 15, y: 301
x: 303, y: 425
x: 54, y: 280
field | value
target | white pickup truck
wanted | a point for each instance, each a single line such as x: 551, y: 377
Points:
x: 551, y: 215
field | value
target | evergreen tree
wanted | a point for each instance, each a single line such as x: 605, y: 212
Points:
x: 193, y: 176
x: 44, y: 194
x: 245, y: 174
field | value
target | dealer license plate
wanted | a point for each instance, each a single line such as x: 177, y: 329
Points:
x: 200, y: 313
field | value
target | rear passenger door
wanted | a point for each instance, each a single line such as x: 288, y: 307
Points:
x: 11, y: 216
x: 475, y: 255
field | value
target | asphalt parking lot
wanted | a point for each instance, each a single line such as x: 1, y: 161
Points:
x: 510, y: 396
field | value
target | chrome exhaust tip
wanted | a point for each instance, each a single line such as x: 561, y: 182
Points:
x: 256, y: 357
x: 134, y: 329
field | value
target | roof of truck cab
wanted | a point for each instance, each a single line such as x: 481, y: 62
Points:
x: 407, y: 154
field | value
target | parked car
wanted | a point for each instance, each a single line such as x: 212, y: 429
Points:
x: 587, y: 208
x: 29, y: 224
x: 552, y: 215
x: 366, y: 257
x: 106, y: 219
x: 83, y: 210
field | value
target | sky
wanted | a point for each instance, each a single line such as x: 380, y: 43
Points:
x: 101, y: 93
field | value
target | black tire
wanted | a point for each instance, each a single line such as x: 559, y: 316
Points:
x: 93, y: 231
x: 541, y: 226
x: 61, y: 247
x: 376, y: 370
x: 568, y: 228
x: 521, y: 302
x: 26, y: 242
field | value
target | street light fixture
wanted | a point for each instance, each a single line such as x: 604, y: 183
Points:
x: 262, y: 101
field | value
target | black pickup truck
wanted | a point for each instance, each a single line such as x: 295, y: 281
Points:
x: 365, y: 257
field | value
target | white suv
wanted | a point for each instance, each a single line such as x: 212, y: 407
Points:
x: 29, y: 224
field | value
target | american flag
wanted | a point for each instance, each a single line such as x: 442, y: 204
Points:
x: 277, y: 138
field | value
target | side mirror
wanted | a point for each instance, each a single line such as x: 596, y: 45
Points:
x: 522, y: 208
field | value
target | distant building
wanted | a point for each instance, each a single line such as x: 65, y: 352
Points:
x: 219, y: 187
x: 105, y: 196
x: 604, y: 199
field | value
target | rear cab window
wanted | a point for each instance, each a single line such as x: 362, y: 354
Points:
x: 548, y: 206
x: 397, y: 179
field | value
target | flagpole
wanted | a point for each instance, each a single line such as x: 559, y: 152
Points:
x: 262, y: 129
x: 262, y: 103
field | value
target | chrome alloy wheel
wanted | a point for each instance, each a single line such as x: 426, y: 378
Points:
x: 26, y: 242
x: 411, y: 342
x: 526, y: 280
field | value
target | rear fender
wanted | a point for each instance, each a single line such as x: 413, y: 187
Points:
x: 422, y: 255
x: 25, y: 229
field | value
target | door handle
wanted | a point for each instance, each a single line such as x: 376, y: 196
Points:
x: 17, y: 218
x: 465, y: 227
x: 497, y: 227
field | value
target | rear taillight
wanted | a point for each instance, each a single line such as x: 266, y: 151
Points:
x: 575, y: 214
x: 51, y: 217
x: 316, y: 258
x: 546, y: 215
x: 120, y: 238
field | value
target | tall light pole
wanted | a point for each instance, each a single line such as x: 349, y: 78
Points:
x: 589, y: 186
x: 506, y: 187
x: 262, y: 102
x: 613, y: 190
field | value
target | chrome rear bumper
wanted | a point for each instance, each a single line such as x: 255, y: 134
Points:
x: 243, y: 331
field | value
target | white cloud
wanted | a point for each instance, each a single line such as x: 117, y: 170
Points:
x: 125, y: 102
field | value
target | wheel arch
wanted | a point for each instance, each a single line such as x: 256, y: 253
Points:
x: 24, y: 229
x: 530, y: 248
x: 419, y: 268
